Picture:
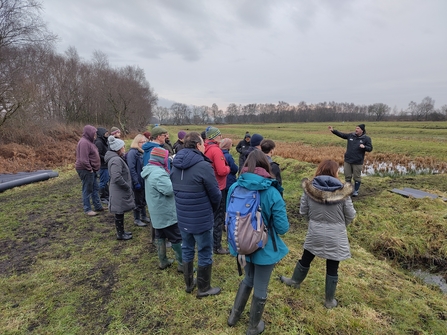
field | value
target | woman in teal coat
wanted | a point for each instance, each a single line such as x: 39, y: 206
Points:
x: 256, y: 175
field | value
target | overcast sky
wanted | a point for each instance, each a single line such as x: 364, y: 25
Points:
x: 263, y: 51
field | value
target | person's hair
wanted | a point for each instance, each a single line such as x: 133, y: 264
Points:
x: 267, y: 146
x: 137, y: 139
x: 255, y: 159
x: 192, y: 139
x: 327, y: 168
x: 226, y: 143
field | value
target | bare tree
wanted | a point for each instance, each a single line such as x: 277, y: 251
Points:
x: 161, y: 113
x: 379, y: 111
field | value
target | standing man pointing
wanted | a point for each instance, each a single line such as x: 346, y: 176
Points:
x: 358, y: 144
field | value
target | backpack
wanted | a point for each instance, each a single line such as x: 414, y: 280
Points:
x: 246, y: 231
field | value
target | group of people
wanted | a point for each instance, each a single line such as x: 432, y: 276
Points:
x: 186, y: 192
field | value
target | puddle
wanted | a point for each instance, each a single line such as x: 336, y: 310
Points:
x: 431, y: 279
x: 390, y: 169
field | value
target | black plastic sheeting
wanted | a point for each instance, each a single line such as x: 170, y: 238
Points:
x: 8, y: 181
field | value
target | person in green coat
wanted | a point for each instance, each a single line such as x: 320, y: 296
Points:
x: 256, y: 175
x: 161, y: 205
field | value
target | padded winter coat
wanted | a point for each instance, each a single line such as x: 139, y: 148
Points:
x: 220, y: 165
x: 121, y: 198
x: 135, y: 162
x: 273, y: 212
x: 327, y: 204
x: 197, y: 194
x: 160, y: 196
x: 231, y: 177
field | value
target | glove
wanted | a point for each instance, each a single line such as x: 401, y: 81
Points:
x: 138, y: 187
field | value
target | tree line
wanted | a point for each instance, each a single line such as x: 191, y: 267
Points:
x: 39, y: 85
x: 180, y: 113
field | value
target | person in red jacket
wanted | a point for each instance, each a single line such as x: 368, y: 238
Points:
x: 87, y: 165
x: 221, y: 170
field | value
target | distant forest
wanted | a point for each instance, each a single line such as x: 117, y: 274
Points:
x: 40, y: 86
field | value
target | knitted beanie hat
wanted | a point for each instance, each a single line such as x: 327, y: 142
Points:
x: 256, y: 140
x: 114, y: 131
x: 181, y: 134
x: 212, y: 132
x: 147, y: 135
x: 362, y: 127
x: 159, y: 155
x: 115, y: 143
x: 226, y: 143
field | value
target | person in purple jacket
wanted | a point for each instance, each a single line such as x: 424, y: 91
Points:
x: 197, y: 196
x: 87, y: 165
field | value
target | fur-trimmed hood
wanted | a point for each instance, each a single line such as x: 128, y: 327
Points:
x: 326, y: 189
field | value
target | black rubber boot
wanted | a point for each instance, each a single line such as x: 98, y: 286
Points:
x: 203, y: 282
x: 144, y: 216
x: 256, y: 325
x: 161, y: 250
x: 239, y: 303
x: 188, y: 274
x: 331, y: 286
x: 298, y: 276
x: 119, y: 224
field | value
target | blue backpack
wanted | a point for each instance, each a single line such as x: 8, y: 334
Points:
x: 246, y: 231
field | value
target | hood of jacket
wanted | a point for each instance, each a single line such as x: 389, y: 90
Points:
x: 148, y: 169
x: 100, y: 132
x: 151, y: 145
x: 253, y: 181
x: 186, y: 158
x: 109, y: 155
x: 89, y: 133
x: 326, y: 189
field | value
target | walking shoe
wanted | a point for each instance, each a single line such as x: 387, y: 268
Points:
x: 91, y: 213
x: 100, y: 209
x: 221, y: 251
x: 139, y: 223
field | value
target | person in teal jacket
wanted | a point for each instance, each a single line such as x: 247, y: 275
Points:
x: 256, y: 175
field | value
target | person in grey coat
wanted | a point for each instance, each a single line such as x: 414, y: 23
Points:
x: 327, y: 204
x: 121, y: 198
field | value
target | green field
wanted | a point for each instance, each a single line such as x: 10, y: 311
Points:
x: 64, y: 273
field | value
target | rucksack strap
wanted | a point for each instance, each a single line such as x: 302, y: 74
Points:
x: 272, y: 232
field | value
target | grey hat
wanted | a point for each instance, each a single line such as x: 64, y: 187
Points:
x: 115, y: 143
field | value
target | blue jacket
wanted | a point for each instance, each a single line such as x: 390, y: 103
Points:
x: 273, y: 212
x: 147, y: 148
x: 134, y: 160
x: 197, y: 194
x: 231, y: 177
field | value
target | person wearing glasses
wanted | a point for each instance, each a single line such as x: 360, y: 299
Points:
x: 135, y: 162
x: 158, y: 137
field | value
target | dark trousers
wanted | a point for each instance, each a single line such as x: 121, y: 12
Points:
x: 331, y: 266
x: 219, y: 221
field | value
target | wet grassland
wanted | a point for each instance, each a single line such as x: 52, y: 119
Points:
x: 62, y: 272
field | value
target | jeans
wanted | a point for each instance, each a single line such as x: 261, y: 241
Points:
x: 90, y: 189
x: 204, y: 247
x: 258, y: 277
x: 103, y: 177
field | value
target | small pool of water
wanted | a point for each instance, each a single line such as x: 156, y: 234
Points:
x: 432, y: 279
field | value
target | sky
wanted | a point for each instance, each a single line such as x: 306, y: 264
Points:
x: 201, y: 52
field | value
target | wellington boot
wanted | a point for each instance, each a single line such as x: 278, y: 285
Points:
x: 331, y: 286
x: 120, y: 233
x: 177, y: 247
x: 161, y: 250
x: 203, y: 282
x: 298, y: 276
x: 256, y: 324
x: 188, y: 274
x: 239, y: 303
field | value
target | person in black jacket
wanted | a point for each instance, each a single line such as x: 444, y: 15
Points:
x: 268, y: 147
x: 242, y: 148
x: 101, y: 143
x: 358, y: 144
x: 197, y: 196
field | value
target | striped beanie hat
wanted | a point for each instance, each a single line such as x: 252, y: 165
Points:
x: 114, y: 131
x: 159, y: 156
x: 212, y: 132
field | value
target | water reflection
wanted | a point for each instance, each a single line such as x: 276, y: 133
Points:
x: 390, y: 169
